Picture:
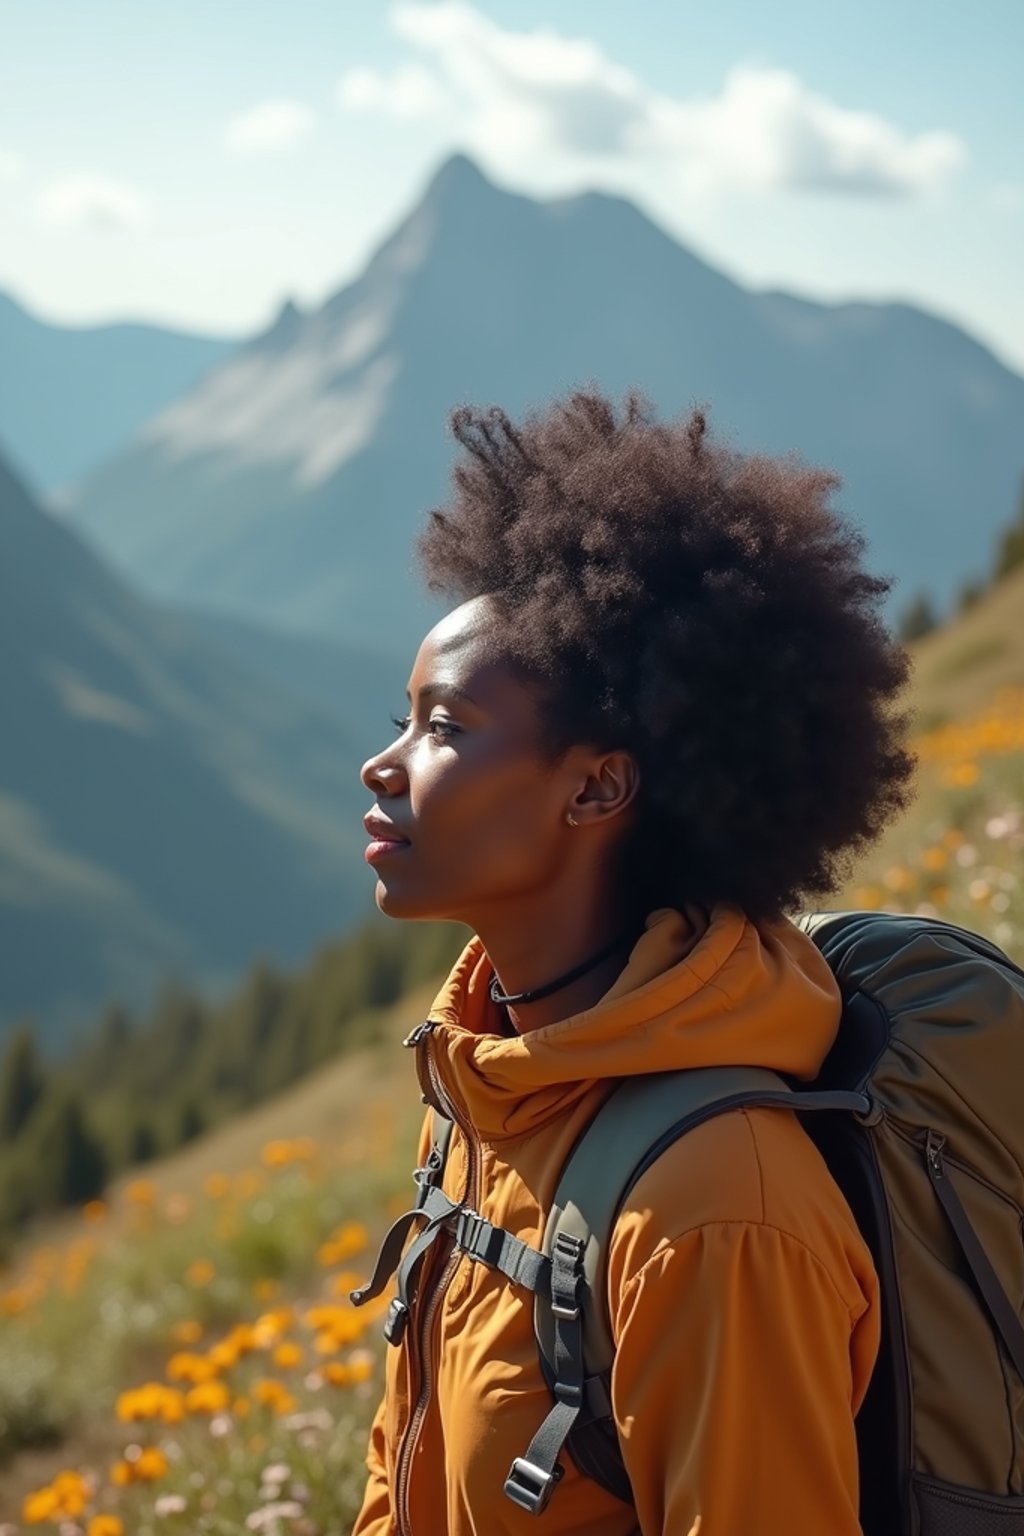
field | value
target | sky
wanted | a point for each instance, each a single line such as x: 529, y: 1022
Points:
x: 198, y: 162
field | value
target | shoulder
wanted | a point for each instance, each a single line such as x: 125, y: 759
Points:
x: 755, y: 1178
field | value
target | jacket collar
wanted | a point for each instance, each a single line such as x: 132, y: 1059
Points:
x: 697, y: 990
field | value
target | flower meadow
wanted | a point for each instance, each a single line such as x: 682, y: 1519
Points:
x: 191, y: 1362
x: 961, y: 850
x: 186, y: 1360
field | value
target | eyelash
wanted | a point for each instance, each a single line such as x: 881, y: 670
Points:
x: 401, y: 725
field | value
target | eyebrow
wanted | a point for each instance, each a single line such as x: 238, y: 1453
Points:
x: 444, y: 691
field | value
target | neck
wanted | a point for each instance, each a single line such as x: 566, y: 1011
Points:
x: 541, y: 947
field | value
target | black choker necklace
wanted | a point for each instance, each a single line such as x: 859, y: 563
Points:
x: 498, y: 996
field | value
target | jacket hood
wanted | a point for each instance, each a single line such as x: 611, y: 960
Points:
x: 698, y: 990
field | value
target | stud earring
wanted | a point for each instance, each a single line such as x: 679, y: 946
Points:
x: 571, y: 819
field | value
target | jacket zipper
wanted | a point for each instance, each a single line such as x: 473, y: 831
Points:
x: 421, y: 1039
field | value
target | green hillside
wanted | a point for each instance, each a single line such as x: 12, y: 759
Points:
x: 163, y: 808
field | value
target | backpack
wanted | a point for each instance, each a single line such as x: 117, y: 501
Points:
x: 918, y: 1111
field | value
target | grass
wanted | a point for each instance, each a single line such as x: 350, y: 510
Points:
x: 182, y: 1359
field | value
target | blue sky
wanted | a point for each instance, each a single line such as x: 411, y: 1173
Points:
x: 197, y: 162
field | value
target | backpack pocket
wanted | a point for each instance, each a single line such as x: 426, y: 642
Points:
x: 945, y: 1509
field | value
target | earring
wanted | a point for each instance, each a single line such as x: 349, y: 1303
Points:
x: 571, y: 819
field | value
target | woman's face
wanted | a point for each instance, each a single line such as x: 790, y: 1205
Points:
x: 480, y: 811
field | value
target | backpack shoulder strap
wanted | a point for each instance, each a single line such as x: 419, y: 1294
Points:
x: 637, y: 1122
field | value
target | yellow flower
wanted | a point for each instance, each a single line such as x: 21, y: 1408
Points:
x: 105, y: 1525
x: 152, y: 1401
x: 360, y: 1365
x: 273, y: 1394
x: 287, y: 1354
x: 150, y: 1464
x: 42, y: 1505
x: 185, y: 1366
x: 337, y: 1373
x: 207, y: 1397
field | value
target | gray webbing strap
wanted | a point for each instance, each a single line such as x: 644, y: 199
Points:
x: 532, y: 1478
x: 498, y: 1249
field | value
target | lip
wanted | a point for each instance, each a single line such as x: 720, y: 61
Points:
x: 380, y: 830
x: 385, y: 838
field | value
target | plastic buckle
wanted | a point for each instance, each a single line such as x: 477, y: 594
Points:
x: 396, y: 1321
x: 530, y: 1486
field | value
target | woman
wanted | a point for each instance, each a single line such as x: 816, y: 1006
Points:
x: 661, y: 714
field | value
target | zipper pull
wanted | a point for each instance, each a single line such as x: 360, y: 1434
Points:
x: 419, y: 1032
x: 933, y: 1146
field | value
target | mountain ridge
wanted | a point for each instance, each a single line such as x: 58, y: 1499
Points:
x: 267, y: 491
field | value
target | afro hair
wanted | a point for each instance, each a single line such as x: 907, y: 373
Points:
x: 704, y: 610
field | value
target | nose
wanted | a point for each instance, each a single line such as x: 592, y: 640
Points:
x: 383, y: 776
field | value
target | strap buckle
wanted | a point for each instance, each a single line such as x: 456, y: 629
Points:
x: 566, y: 1273
x: 530, y: 1486
x: 397, y: 1321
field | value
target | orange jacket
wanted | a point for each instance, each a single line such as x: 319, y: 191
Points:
x: 743, y: 1299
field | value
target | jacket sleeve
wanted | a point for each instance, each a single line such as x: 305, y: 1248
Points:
x: 374, y: 1518
x: 733, y: 1387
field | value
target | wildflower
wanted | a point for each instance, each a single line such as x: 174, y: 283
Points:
x: 207, y: 1397
x: 220, y: 1425
x: 152, y: 1401
x: 141, y: 1192
x: 94, y: 1210
x: 270, y: 1514
x: 273, y: 1394
x: 150, y: 1464
x: 277, y: 1472
x: 186, y: 1366
x: 169, y: 1504
x: 105, y: 1525
x: 934, y: 859
x: 44, y: 1504
x: 188, y: 1331
x: 200, y: 1273
x: 287, y: 1354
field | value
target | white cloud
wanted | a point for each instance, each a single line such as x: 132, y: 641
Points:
x: 512, y: 96
x: 408, y: 92
x: 273, y: 126
x: 12, y: 166
x: 95, y: 202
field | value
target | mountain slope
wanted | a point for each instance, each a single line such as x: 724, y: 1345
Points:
x: 288, y: 486
x: 161, y: 806
x: 72, y: 395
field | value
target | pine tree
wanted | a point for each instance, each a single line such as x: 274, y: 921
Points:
x: 22, y: 1082
x: 68, y: 1163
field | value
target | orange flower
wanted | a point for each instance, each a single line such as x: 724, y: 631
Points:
x: 150, y: 1464
x: 152, y: 1401
x: 141, y: 1192
x: 105, y: 1525
x: 287, y: 1355
x: 207, y: 1397
x: 273, y: 1394
x: 44, y: 1504
x: 185, y: 1366
x: 94, y: 1210
x: 188, y: 1331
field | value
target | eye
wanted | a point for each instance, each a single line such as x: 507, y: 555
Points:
x: 445, y: 727
x: 401, y: 725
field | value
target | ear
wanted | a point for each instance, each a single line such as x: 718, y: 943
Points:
x: 611, y: 784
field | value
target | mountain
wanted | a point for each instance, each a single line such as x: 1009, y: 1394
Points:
x: 162, y: 806
x: 72, y: 395
x: 287, y: 487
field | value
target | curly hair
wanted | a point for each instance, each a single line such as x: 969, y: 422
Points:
x: 704, y: 610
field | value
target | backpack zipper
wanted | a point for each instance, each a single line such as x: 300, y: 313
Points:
x: 426, y: 1068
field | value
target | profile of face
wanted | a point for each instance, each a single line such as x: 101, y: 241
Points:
x: 471, y: 814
